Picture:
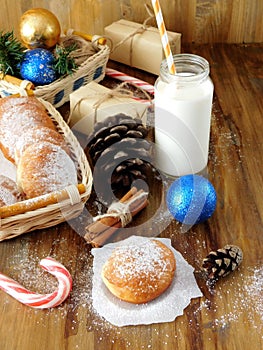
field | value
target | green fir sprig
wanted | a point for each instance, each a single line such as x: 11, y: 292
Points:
x: 11, y: 53
x: 64, y: 63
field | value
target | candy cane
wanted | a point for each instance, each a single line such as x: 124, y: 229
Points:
x: 41, y: 301
x: 124, y: 77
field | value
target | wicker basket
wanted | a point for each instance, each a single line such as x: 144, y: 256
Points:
x: 54, y: 208
x: 57, y: 93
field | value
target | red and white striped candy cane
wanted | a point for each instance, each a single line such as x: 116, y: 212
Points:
x: 127, y: 78
x: 41, y: 301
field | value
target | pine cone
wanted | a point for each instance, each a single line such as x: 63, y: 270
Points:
x: 122, y: 163
x: 129, y: 171
x: 120, y: 154
x: 113, y: 129
x: 221, y: 262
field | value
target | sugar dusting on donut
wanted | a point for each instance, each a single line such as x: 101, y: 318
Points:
x: 135, y: 260
x: 139, y: 273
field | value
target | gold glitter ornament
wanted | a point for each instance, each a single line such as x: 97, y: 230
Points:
x: 39, y: 28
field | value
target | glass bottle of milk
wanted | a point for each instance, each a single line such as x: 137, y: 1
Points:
x: 183, y: 104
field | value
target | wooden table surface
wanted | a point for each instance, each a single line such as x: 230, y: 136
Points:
x: 227, y: 317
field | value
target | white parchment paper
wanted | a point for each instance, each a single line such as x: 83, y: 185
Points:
x: 7, y: 168
x: 163, y: 309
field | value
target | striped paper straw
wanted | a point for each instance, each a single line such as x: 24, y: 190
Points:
x: 127, y: 78
x: 164, y: 37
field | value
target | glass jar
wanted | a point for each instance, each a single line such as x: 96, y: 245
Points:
x: 183, y: 104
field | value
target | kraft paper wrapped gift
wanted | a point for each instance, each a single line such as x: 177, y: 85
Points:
x: 142, y: 50
x: 94, y: 102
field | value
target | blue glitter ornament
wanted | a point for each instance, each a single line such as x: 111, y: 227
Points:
x: 191, y: 199
x: 37, y: 66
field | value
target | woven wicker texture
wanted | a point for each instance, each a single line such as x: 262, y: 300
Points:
x: 93, y: 58
x: 54, y: 208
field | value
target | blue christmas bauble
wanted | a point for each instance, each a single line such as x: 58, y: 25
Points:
x: 191, y: 199
x: 37, y: 66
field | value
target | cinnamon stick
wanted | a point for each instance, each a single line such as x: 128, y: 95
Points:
x: 100, y: 231
x: 97, y: 226
x: 37, y: 203
x: 100, y: 240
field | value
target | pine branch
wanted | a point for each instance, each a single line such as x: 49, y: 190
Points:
x: 64, y: 64
x: 11, y: 53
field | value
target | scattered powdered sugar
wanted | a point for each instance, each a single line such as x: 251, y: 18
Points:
x: 26, y: 270
x: 78, y: 311
x: 253, y: 291
x: 247, y: 301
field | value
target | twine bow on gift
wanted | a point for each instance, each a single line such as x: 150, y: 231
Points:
x: 121, y: 91
x: 139, y: 30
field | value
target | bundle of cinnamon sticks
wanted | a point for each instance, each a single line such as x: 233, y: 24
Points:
x: 101, y: 230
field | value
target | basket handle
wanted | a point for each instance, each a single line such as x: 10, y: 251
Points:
x: 88, y: 37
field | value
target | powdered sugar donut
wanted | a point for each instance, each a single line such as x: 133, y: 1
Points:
x: 139, y: 273
x: 9, y: 193
x: 44, y: 168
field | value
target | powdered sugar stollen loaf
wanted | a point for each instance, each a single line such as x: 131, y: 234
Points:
x: 17, y: 116
x: 11, y: 102
x: 38, y: 134
x: 44, y: 168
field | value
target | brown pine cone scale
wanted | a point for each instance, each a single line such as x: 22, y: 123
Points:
x: 221, y: 262
x: 120, y: 154
x: 112, y: 130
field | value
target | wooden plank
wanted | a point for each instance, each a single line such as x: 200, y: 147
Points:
x: 253, y: 23
x: 228, y: 21
x: 178, y: 15
x: 200, y: 21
